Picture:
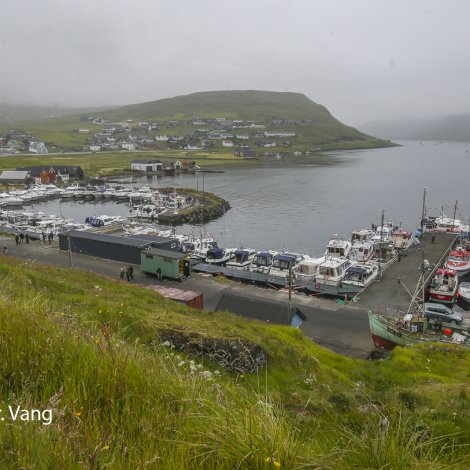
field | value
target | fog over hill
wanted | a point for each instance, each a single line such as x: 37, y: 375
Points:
x: 454, y: 127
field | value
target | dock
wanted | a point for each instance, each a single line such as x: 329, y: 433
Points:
x: 401, y: 278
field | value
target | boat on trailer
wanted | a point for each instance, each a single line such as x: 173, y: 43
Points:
x: 262, y: 262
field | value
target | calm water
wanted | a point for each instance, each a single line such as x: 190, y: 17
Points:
x: 300, y: 207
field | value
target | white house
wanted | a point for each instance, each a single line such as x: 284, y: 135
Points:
x: 37, y: 147
x: 127, y: 146
x: 227, y: 143
x: 95, y: 148
x: 147, y: 165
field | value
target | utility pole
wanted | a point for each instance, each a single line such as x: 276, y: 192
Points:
x: 70, y: 249
x: 289, y: 305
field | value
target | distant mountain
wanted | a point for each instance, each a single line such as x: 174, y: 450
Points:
x: 10, y: 113
x: 455, y: 127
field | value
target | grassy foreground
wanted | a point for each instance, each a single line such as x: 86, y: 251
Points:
x: 88, y: 348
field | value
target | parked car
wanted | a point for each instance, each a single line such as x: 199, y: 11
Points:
x: 442, y: 313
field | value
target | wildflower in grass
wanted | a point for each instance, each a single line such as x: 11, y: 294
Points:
x: 166, y: 343
x: 104, y: 448
x: 206, y: 374
x: 78, y: 413
x: 273, y: 461
x: 99, y: 311
x: 242, y: 376
x: 97, y: 341
x: 181, y: 364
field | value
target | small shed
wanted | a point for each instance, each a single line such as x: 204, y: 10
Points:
x: 172, y: 264
x: 186, y: 297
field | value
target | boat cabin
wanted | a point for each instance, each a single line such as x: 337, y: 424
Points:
x: 338, y: 248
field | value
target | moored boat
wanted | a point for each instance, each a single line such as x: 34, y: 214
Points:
x: 262, y: 262
x: 444, y: 286
x: 459, y: 261
x: 242, y: 259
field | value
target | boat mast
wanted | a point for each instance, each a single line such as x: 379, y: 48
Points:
x: 381, y: 241
x: 423, y: 211
x: 455, y: 213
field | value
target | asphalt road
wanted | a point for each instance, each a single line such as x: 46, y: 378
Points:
x: 342, y: 328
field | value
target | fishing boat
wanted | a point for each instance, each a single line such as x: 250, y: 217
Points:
x: 459, y: 261
x: 262, y: 262
x: 407, y: 329
x: 242, y: 259
x: 444, y: 286
x: 401, y: 239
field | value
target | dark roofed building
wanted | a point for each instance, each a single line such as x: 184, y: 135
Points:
x: 71, y: 172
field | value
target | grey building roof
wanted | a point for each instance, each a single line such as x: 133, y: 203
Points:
x: 13, y: 175
x: 133, y: 240
x: 166, y: 253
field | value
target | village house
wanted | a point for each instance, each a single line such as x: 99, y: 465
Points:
x: 37, y: 147
x: 227, y: 143
x: 147, y: 165
x: 64, y: 172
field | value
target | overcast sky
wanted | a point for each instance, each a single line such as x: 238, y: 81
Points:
x: 362, y: 59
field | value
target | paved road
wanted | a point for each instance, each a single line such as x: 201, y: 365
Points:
x: 342, y: 328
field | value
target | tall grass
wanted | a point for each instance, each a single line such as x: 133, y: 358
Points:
x: 87, y: 348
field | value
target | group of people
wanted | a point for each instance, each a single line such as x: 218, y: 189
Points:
x: 21, y: 237
x: 127, y: 272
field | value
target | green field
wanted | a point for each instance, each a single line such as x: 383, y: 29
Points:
x: 89, y: 349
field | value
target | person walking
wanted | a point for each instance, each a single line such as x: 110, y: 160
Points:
x: 26, y: 237
x: 122, y: 272
x: 52, y: 236
x: 21, y: 237
x: 159, y: 274
x: 128, y: 275
x: 43, y: 236
x: 49, y: 239
x: 17, y: 239
x: 131, y: 272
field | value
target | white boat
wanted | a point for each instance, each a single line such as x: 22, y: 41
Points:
x: 283, y: 262
x: 362, y: 251
x: 338, y: 247
x: 102, y: 220
x: 459, y: 260
x: 307, y: 268
x: 216, y: 255
x: 401, y: 239
x: 449, y: 225
x: 332, y: 271
x: 242, y: 259
x: 360, y: 275
x: 464, y: 292
x: 382, y: 235
x: 10, y: 201
x: 361, y: 235
x: 262, y: 262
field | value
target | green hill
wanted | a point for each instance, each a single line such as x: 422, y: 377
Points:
x: 314, y: 127
x: 100, y: 355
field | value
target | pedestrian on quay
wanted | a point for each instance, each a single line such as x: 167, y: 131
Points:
x: 131, y: 272
x: 433, y: 239
x: 52, y: 236
x: 17, y: 239
x: 159, y: 274
x: 43, y: 236
x: 122, y: 272
x: 21, y: 237
x: 26, y: 237
x: 128, y: 275
x: 49, y: 238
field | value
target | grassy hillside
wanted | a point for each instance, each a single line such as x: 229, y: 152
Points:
x: 322, y: 128
x: 89, y: 348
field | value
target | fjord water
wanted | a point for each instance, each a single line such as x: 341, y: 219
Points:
x: 299, y: 207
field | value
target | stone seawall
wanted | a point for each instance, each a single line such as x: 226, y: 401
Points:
x: 209, y: 207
